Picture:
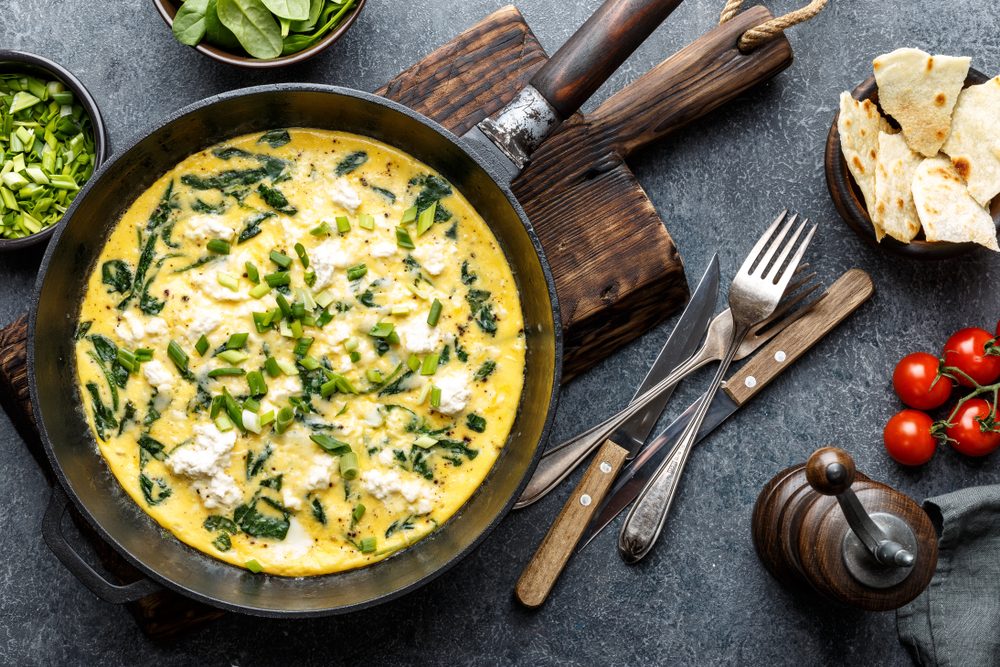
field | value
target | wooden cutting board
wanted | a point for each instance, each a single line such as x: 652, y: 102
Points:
x: 616, y: 269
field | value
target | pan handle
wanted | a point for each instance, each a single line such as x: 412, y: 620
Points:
x: 88, y: 576
x: 568, y: 79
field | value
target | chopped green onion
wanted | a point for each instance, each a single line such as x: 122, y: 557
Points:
x: 225, y: 371
x: 178, y: 356
x: 381, y: 330
x: 272, y: 367
x: 425, y: 441
x: 254, y: 566
x: 223, y: 423
x: 343, y: 224
x: 356, y: 272
x: 143, y: 354
x: 403, y: 239
x: 282, y: 260
x: 409, y: 215
x: 267, y: 418
x: 218, y: 246
x: 233, y: 356
x: 324, y: 298
x: 298, y: 310
x: 287, y: 367
x: 349, y: 465
x: 295, y: 328
x: 374, y: 375
x: 435, y: 314
x: 260, y: 291
x: 436, y: 397
x: 330, y: 445
x: 401, y: 309
x: 366, y: 221
x: 300, y: 250
x: 413, y: 362
x: 367, y: 545
x: 255, y: 379
x: 237, y: 341
x: 227, y: 280
x: 430, y: 365
x: 351, y: 344
x: 286, y: 308
x: 262, y: 321
x: 201, y: 347
x: 354, y: 356
x: 324, y: 318
x: 284, y: 419
x: 322, y: 229
x: 216, y: 406
x: 127, y: 360
x: 309, y: 363
x: 302, y: 346
x: 251, y: 421
x: 357, y: 512
x: 253, y: 275
x: 426, y: 219
x: 309, y: 277
x: 251, y: 404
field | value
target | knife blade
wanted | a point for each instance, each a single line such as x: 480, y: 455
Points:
x: 562, y: 459
x: 843, y: 297
x: 681, y: 344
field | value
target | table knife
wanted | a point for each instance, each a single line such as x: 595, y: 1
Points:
x: 549, y: 560
x: 557, y: 463
x: 843, y: 297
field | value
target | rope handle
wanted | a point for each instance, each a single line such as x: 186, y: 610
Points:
x: 768, y: 30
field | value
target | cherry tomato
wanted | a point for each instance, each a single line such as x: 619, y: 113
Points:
x: 908, y: 438
x: 966, y: 350
x: 972, y: 432
x: 915, y: 381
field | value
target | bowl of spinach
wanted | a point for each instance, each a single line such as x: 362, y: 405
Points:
x: 259, y: 33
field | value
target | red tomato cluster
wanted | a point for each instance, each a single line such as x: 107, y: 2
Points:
x: 971, y: 359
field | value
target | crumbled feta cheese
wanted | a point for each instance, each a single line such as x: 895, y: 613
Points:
x: 373, y: 417
x: 325, y: 259
x: 209, y: 285
x: 383, y: 483
x: 318, y: 475
x: 296, y: 544
x: 434, y: 257
x: 417, y: 336
x: 383, y: 249
x: 219, y: 491
x: 455, y: 392
x: 202, y: 319
x: 280, y: 388
x: 342, y: 194
x: 206, y: 455
x: 386, y: 457
x: 132, y: 328
x: 201, y: 228
x: 158, y: 376
x: 290, y: 500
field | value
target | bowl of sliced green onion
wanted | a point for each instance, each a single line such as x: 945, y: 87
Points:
x: 52, y: 138
x: 259, y: 33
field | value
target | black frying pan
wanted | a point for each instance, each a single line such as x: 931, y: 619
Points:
x: 480, y: 165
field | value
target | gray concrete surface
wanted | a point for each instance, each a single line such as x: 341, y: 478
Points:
x: 701, y: 597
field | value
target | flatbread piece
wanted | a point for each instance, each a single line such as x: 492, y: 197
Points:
x: 947, y: 211
x: 894, y: 211
x: 859, y: 124
x: 919, y: 91
x: 974, y: 144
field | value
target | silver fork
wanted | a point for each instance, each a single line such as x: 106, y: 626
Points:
x: 753, y: 298
x: 561, y: 460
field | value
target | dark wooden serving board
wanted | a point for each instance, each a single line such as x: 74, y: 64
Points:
x: 616, y: 268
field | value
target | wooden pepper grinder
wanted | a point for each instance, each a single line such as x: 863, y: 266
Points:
x: 826, y: 528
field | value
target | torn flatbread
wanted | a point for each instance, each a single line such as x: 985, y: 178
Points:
x: 859, y: 124
x: 919, y: 91
x: 894, y: 211
x: 947, y: 211
x: 974, y: 144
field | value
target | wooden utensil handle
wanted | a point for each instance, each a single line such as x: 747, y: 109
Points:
x: 545, y: 566
x: 842, y: 298
x: 596, y: 50
x: 702, y: 76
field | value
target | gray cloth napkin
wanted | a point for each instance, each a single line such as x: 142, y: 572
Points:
x: 956, y: 621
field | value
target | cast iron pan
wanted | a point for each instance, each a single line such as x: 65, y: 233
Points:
x: 565, y: 82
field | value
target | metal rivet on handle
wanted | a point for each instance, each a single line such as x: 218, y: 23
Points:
x: 750, y: 382
x: 585, y: 500
x: 779, y: 356
x: 605, y: 467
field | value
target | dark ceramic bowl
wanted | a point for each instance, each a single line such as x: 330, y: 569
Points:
x: 850, y: 202
x: 168, y: 9
x: 28, y: 63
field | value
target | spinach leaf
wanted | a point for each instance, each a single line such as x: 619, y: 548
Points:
x: 388, y: 195
x: 154, y: 490
x: 104, y: 418
x: 367, y: 298
x: 254, y: 523
x: 275, y: 138
x: 251, y: 227
x: 152, y: 447
x: 127, y: 417
x: 253, y: 25
x: 434, y: 189
x: 229, y: 152
x: 318, y: 511
x: 104, y: 347
x: 107, y: 351
x: 189, y: 23
x: 398, y: 525
x: 293, y: 10
x: 225, y: 179
x: 216, y: 33
x: 461, y: 352
x: 220, y: 523
x: 452, y: 232
x: 147, y: 303
x: 475, y: 422
x: 256, y: 463
x: 201, y: 261
x: 308, y: 23
x: 351, y: 162
x: 468, y: 277
x: 223, y: 542
x: 445, y: 355
x: 201, y: 206
x: 396, y: 386
x: 272, y: 483
x: 485, y: 370
x: 118, y: 275
x: 274, y: 198
x: 482, y: 310
x: 82, y: 328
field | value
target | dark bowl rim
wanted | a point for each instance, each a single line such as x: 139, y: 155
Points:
x: 101, y: 142
x: 850, y: 205
x: 168, y: 9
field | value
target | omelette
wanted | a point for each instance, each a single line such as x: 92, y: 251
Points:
x: 300, y: 351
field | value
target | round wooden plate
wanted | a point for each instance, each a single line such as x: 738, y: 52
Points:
x: 851, y: 204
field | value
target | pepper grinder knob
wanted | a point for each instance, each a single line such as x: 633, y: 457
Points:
x: 830, y: 471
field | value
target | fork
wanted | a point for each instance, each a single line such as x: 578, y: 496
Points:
x: 754, y: 296
x: 557, y: 463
